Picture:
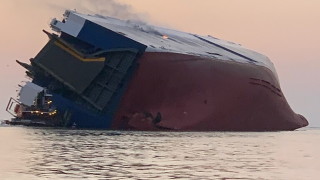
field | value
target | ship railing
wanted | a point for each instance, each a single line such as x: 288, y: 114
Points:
x: 13, y: 107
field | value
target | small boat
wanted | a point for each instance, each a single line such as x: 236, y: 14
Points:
x: 34, y: 107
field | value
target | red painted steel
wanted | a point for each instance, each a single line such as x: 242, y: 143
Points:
x: 190, y: 93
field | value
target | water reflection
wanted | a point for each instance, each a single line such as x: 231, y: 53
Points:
x: 80, y: 154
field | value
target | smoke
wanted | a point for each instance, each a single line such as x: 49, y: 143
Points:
x: 110, y: 8
x: 143, y: 26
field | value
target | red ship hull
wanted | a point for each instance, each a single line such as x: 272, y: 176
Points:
x: 190, y: 93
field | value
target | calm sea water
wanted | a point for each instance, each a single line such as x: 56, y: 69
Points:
x: 42, y: 153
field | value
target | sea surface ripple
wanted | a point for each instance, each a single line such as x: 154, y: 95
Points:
x: 46, y: 153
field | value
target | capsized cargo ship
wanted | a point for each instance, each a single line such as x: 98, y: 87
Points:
x: 105, y: 73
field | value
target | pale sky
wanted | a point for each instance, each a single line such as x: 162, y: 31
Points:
x: 287, y: 31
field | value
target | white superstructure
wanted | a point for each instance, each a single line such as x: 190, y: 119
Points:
x: 29, y: 93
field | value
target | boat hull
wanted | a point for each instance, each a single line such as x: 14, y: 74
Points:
x: 107, y: 73
x: 190, y: 93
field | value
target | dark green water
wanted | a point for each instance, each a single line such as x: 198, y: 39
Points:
x: 38, y: 153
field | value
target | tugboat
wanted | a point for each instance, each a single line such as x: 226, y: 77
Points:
x: 33, y: 108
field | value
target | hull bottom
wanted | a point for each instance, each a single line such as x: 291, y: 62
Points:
x: 188, y: 93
